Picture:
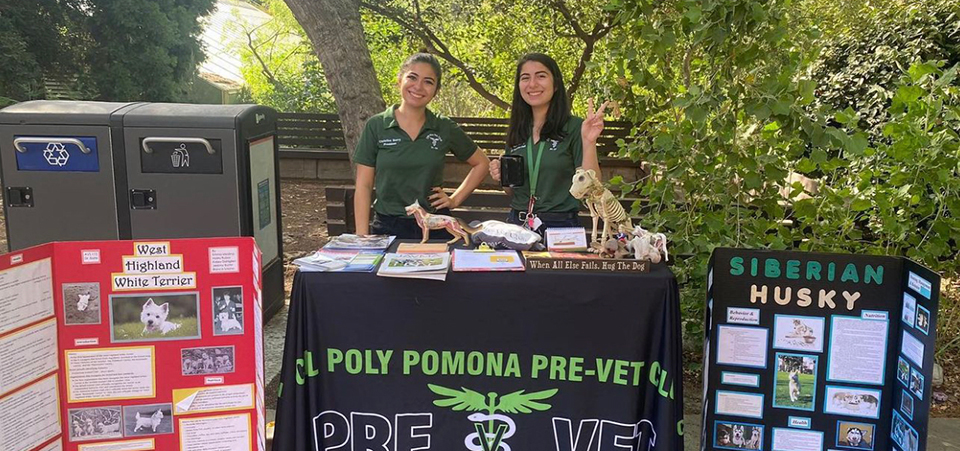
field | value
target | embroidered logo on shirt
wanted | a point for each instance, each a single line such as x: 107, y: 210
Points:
x: 389, y: 142
x: 435, y: 141
x: 553, y: 144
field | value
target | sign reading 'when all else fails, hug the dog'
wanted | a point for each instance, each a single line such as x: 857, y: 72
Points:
x: 132, y: 345
x: 817, y: 352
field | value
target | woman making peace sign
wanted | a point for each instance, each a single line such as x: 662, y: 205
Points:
x: 553, y: 142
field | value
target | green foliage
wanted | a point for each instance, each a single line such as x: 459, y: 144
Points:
x: 725, y: 112
x: 714, y: 90
x: 901, y: 197
x: 120, y: 49
x: 867, y: 46
x: 143, y: 49
x: 279, y: 65
x: 31, y: 44
x: 488, y: 36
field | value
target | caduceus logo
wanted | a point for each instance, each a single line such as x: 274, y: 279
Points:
x: 492, y: 428
x: 435, y: 140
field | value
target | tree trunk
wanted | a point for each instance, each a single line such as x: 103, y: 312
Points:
x: 335, y: 30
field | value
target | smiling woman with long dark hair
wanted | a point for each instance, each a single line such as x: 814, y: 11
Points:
x: 553, y: 142
x: 401, y: 152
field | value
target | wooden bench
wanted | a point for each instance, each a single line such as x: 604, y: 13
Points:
x: 482, y: 205
x: 308, y: 131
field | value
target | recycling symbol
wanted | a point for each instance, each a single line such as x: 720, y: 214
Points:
x: 56, y: 154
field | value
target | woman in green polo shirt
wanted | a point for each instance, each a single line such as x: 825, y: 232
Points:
x: 401, y: 152
x: 553, y: 143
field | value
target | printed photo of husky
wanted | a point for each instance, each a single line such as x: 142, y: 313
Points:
x: 855, y: 435
x: 796, y: 384
x: 798, y: 333
x: 853, y: 401
x: 738, y: 436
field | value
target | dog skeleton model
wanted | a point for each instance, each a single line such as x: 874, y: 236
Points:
x: 428, y: 222
x: 601, y: 202
x: 648, y: 246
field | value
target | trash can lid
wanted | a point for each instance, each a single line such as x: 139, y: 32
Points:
x: 185, y: 115
x: 66, y: 112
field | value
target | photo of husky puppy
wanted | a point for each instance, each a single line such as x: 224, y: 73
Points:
x: 795, y: 386
x: 798, y: 333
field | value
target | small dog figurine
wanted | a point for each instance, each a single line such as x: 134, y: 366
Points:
x: 83, y: 302
x: 154, y: 318
x: 428, y: 222
x: 149, y: 422
x: 794, y: 386
x: 228, y: 323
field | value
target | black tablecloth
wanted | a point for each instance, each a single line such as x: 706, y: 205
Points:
x: 596, y: 356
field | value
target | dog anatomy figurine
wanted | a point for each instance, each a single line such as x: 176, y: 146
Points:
x: 428, y: 222
x: 601, y: 202
x: 648, y: 246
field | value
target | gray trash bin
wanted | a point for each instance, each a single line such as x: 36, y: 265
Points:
x: 57, y: 164
x: 100, y: 171
x: 204, y: 171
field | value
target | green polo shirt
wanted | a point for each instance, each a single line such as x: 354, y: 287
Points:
x: 408, y: 169
x: 560, y: 160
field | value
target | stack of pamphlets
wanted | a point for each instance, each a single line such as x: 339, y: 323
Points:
x: 419, y: 266
x: 347, y: 253
x: 340, y: 260
x: 421, y: 248
x: 369, y: 242
x: 468, y: 260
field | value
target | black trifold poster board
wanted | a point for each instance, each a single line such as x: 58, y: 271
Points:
x: 817, y: 352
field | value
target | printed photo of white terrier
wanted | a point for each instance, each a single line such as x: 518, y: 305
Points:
x: 228, y: 310
x: 81, y: 303
x: 796, y: 383
x: 209, y: 360
x: 94, y: 423
x: 151, y: 317
x: 149, y: 419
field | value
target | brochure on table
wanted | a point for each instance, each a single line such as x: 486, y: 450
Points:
x: 817, y: 352
x: 132, y: 345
